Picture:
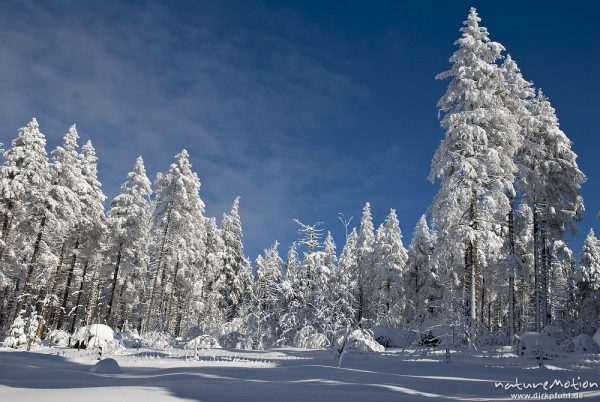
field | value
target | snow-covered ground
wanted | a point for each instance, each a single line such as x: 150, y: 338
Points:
x: 60, y: 374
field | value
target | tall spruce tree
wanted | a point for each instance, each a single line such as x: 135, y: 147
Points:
x: 474, y: 162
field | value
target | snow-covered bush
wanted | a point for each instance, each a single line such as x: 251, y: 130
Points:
x: 360, y: 341
x: 31, y: 331
x: 532, y: 342
x: 309, y: 338
x: 58, y: 337
x: 95, y: 335
x: 203, y: 342
x: 16, y: 334
x: 158, y: 340
x: 129, y: 339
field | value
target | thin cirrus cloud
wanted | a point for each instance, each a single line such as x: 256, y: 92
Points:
x: 245, y: 104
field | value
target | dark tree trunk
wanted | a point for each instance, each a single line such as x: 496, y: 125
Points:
x: 65, y: 298
x: 79, y: 296
x: 114, y: 284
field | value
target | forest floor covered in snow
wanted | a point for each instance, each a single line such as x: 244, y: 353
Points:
x: 289, y: 374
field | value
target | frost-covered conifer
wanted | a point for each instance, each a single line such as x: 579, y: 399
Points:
x: 179, y: 238
x: 390, y: 266
x: 234, y: 260
x: 474, y: 162
x: 127, y: 241
x: 24, y: 184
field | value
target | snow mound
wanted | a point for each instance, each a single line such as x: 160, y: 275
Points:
x: 530, y: 343
x: 585, y: 344
x: 158, y: 340
x: 58, y: 337
x: 203, y: 342
x: 106, y: 366
x: 309, y: 338
x: 129, y: 339
x: 102, y: 331
x: 361, y: 341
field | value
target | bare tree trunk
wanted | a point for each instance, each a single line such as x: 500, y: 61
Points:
x: 536, y: 290
x: 123, y: 305
x: 511, y: 273
x: 6, y: 225
x: 50, y: 310
x: 157, y: 271
x: 65, y: 298
x: 36, y: 250
x: 79, y: 296
x: 173, y: 288
x: 474, y: 268
x: 92, y: 304
x: 114, y: 284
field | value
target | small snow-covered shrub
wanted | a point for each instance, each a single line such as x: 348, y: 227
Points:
x: 309, y: 338
x: 58, y: 337
x: 235, y: 340
x: 203, y: 342
x: 532, y: 342
x: 16, y: 334
x: 158, y: 340
x: 360, y: 341
x: 128, y: 339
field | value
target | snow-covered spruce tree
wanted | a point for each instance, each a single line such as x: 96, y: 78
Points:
x: 390, y: 268
x: 336, y: 313
x: 517, y: 93
x: 178, y: 241
x: 589, y: 262
x: 588, y: 283
x: 474, y: 162
x: 293, y: 298
x: 90, y: 228
x: 550, y: 180
x: 562, y: 284
x: 24, y: 183
x: 346, y: 273
x: 364, y: 273
x: 421, y: 283
x: 212, y: 312
x: 234, y: 261
x: 264, y: 319
x: 65, y: 201
x: 126, y: 244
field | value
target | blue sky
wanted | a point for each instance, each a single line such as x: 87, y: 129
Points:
x: 305, y: 108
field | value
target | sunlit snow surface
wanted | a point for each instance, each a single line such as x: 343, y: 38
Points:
x: 290, y: 374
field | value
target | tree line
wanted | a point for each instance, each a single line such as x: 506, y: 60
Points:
x: 491, y: 262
